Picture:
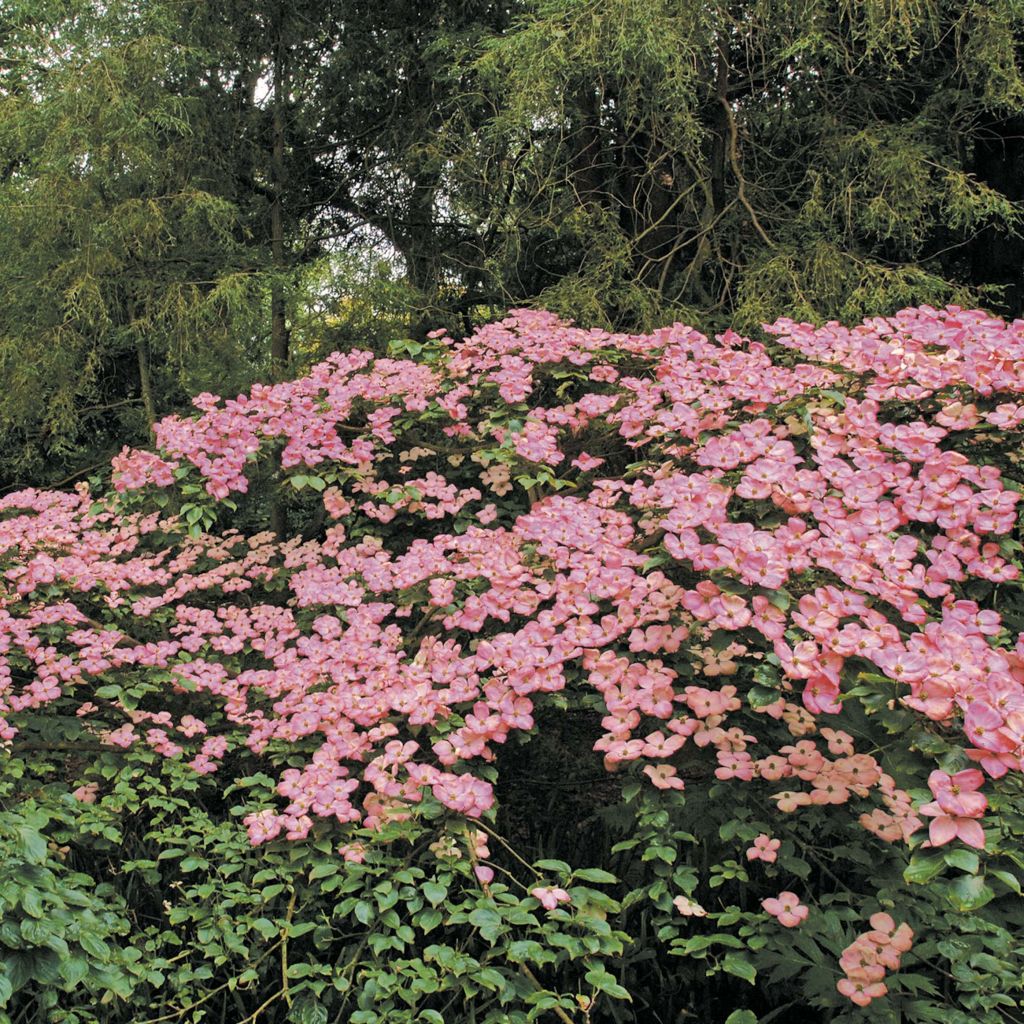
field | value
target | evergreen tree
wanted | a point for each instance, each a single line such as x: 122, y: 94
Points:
x: 654, y: 159
x: 194, y: 196
x: 126, y: 273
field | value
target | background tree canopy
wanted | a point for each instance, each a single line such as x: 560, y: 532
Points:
x: 196, y: 196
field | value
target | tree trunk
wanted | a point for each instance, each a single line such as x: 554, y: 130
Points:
x: 420, y: 249
x: 279, y: 334
x: 588, y: 168
x: 997, y: 257
x: 146, y: 383
x: 649, y: 195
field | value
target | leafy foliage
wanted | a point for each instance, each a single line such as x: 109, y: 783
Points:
x: 357, y: 774
x: 192, y: 193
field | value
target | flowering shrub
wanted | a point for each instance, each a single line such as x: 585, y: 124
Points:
x: 731, y: 628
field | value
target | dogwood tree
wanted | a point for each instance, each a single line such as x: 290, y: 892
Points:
x: 778, y: 580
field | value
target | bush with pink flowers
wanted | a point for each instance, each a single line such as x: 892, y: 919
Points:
x: 600, y: 678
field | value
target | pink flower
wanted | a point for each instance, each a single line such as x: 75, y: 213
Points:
x: 945, y: 828
x: 956, y: 808
x: 903, y: 666
x: 821, y: 696
x: 738, y: 765
x: 861, y: 992
x: 866, y: 960
x: 87, y: 794
x: 985, y: 728
x: 587, y: 462
x: 549, y: 896
x: 882, y: 922
x: 688, y: 908
x: 787, y: 908
x: 839, y: 743
x: 449, y: 623
x: 765, y: 848
x: 788, y: 801
x: 957, y: 794
x: 664, y: 776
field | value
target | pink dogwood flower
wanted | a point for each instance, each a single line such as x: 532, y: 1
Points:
x: 765, y: 848
x: 787, y: 908
x: 550, y: 896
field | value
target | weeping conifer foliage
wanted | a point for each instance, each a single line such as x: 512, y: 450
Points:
x: 195, y: 196
x: 124, y: 272
x: 645, y: 160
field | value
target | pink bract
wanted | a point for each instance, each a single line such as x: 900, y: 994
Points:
x: 475, y: 560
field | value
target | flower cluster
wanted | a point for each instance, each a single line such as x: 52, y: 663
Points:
x: 867, y: 959
x: 695, y: 511
x: 956, y: 808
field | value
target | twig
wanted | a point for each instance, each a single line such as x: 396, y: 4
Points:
x: 485, y: 828
x: 284, y: 950
x: 178, y: 1014
x: 259, y: 1009
x: 532, y: 978
x: 734, y: 162
x: 422, y: 624
x: 734, y: 159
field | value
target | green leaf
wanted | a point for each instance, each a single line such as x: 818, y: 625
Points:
x: 46, y: 967
x: 741, y: 1017
x: 308, y: 1010
x: 923, y: 868
x: 761, y: 697
x: 665, y: 853
x: 557, y: 866
x: 72, y: 969
x: 265, y: 927
x: 735, y: 963
x: 525, y: 950
x: 489, y: 922
x: 595, y: 875
x: 605, y: 982
x: 965, y: 860
x: 434, y: 892
x: 969, y: 892
x: 1007, y: 878
x: 31, y: 845
x: 323, y: 869
x: 484, y: 917
x: 32, y: 903
x: 428, y: 920
x: 94, y: 946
